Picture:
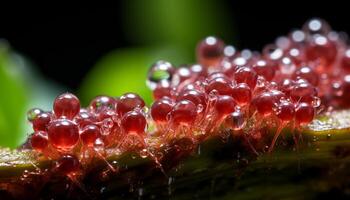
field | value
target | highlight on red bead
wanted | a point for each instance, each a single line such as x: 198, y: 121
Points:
x: 68, y: 165
x: 246, y: 75
x: 134, y: 122
x: 63, y: 134
x: 89, y: 135
x: 225, y: 105
x: 184, y: 113
x: 39, y: 141
x: 242, y: 94
x: 210, y: 51
x: 128, y: 102
x: 41, y: 121
x: 66, y: 105
x: 304, y: 113
x: 160, y: 109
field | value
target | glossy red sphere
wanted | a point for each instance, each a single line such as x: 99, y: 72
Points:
x: 225, y: 105
x: 306, y: 73
x: 242, y: 94
x: 266, y: 69
x: 128, y: 102
x: 264, y: 103
x: 63, y: 134
x: 197, y: 97
x: 285, y: 111
x: 160, y: 109
x: 84, y: 118
x: 66, y: 105
x: 39, y: 141
x: 134, y: 122
x: 68, y: 165
x: 184, y: 113
x: 41, y: 121
x: 89, y: 135
x: 304, y: 113
x: 210, y: 51
x: 321, y: 49
x: 246, y: 75
x: 221, y: 85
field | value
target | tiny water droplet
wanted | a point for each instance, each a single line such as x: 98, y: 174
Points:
x: 33, y: 113
x: 160, y: 71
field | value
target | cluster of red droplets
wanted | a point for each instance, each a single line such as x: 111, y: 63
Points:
x: 74, y: 135
x: 242, y: 91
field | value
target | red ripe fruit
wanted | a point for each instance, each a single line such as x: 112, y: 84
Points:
x: 63, y: 134
x: 66, y: 105
x: 183, y: 113
x: 160, y: 109
x: 264, y: 103
x: 134, y: 122
x: 210, y: 51
x: 285, y: 111
x: 101, y: 103
x: 68, y: 165
x: 89, y: 135
x: 265, y: 69
x: 304, y: 113
x: 242, y: 94
x: 221, y: 85
x: 246, y: 75
x: 41, y: 121
x: 225, y: 105
x: 39, y: 141
x: 306, y: 73
x: 128, y: 102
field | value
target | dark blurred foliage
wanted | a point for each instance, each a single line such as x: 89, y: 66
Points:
x: 66, y: 41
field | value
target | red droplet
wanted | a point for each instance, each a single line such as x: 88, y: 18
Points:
x: 210, y: 51
x: 39, y: 141
x: 225, y: 105
x: 134, y: 122
x: 242, y: 94
x: 128, y: 102
x: 246, y: 75
x: 63, y: 134
x: 89, y: 135
x: 66, y: 105
x: 41, y: 122
x: 304, y: 113
x: 161, y: 108
x: 184, y: 113
x: 68, y: 165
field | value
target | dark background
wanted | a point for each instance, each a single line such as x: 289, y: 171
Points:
x: 65, y: 41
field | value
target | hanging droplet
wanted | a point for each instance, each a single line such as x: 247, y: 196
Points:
x: 160, y: 71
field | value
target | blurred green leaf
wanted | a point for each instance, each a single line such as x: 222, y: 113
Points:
x: 125, y: 70
x: 12, y: 101
x: 178, y: 22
